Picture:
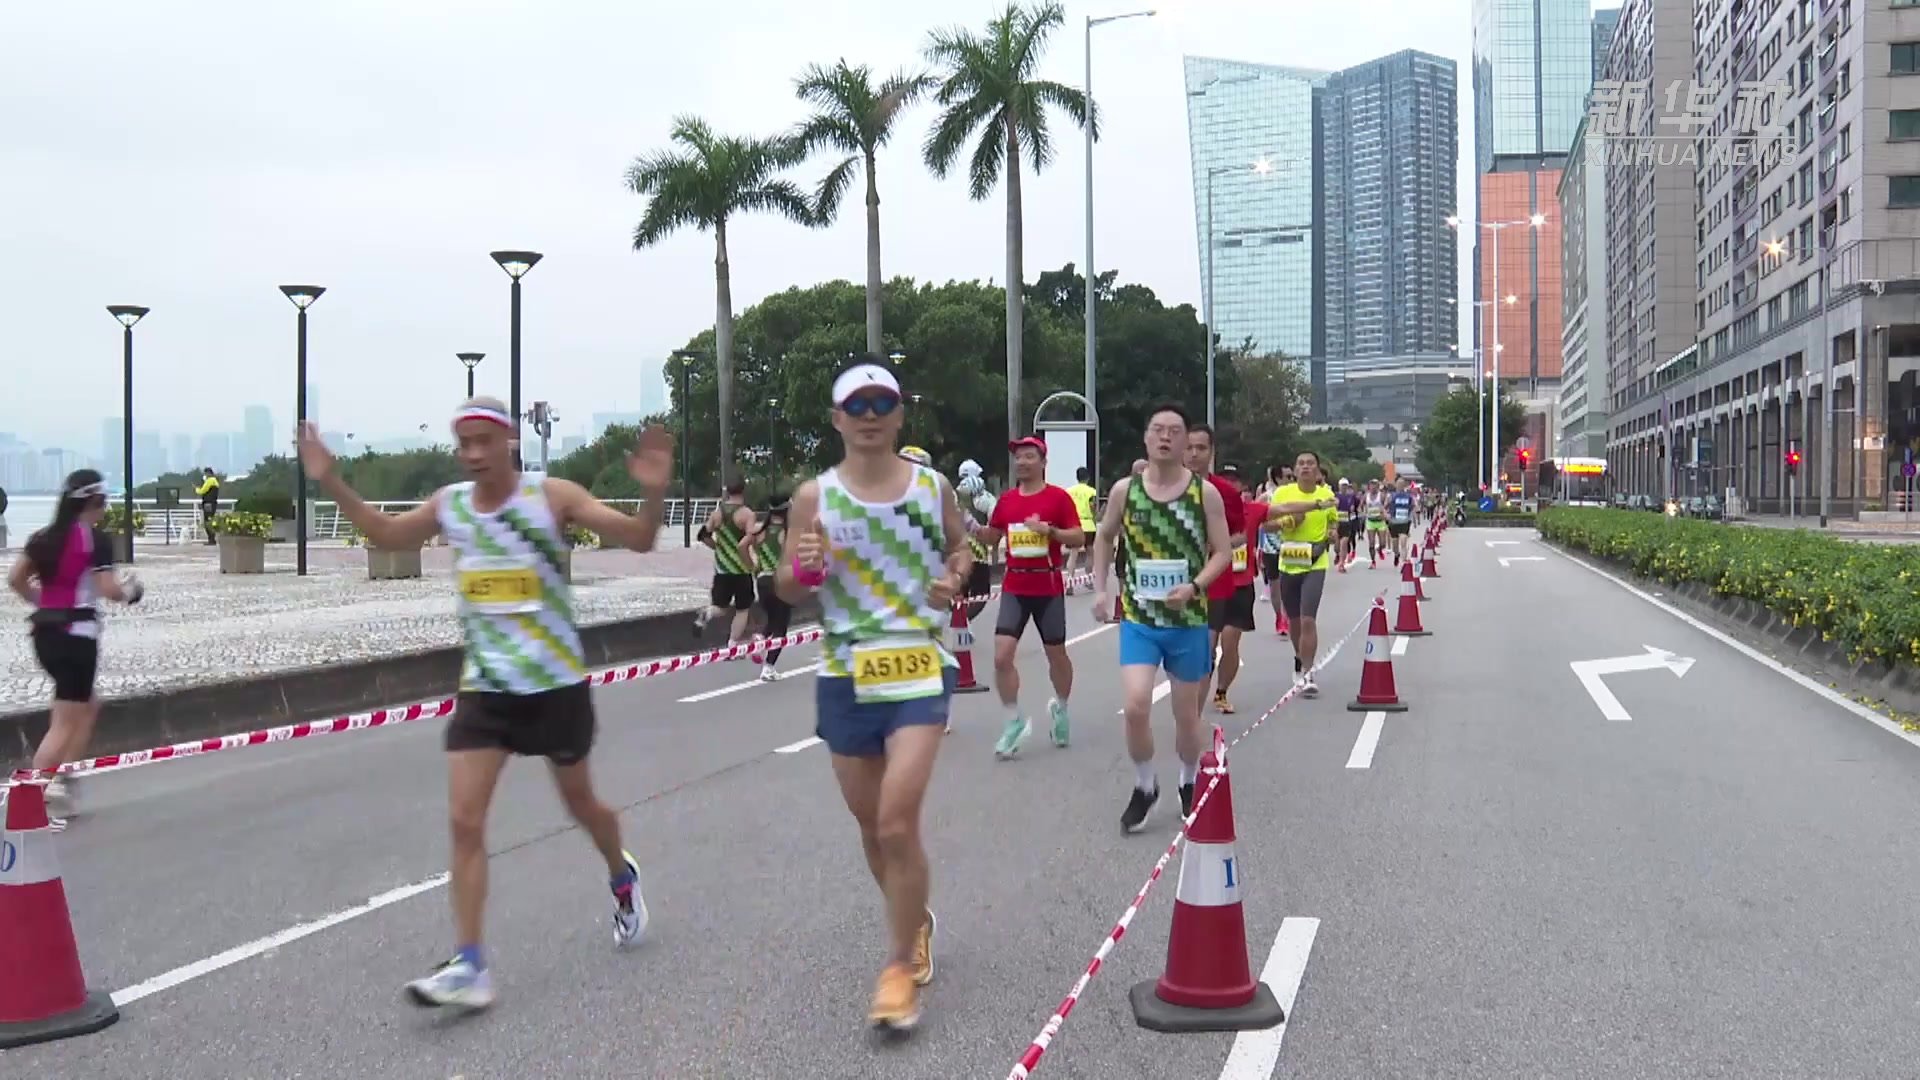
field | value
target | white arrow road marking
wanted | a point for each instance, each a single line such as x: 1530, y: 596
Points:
x: 1590, y: 674
x: 1509, y: 560
x: 1503, y: 543
x: 1256, y: 1054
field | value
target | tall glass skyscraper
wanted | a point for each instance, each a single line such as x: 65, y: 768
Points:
x: 1532, y: 68
x: 1264, y: 266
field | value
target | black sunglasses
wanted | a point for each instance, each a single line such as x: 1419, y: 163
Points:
x: 877, y: 404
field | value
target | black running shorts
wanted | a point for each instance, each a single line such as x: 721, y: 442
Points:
x: 1300, y: 593
x: 1400, y: 529
x: 554, y: 724
x: 1049, y: 615
x: 732, y: 591
x: 70, y: 660
x: 1235, y: 611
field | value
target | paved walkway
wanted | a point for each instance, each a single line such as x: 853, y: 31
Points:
x: 198, y: 625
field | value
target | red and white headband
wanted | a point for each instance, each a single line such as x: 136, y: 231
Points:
x: 483, y: 412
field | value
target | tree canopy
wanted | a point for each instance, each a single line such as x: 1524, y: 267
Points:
x: 1448, y: 439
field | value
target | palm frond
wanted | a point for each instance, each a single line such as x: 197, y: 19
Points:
x: 829, y: 131
x: 780, y: 197
x: 950, y: 133
x: 663, y: 217
x: 1068, y: 100
x: 1031, y: 121
x: 833, y: 188
x: 989, y: 155
x: 1027, y: 30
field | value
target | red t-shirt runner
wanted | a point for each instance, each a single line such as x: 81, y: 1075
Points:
x: 1230, y: 497
x: 1033, y: 561
x: 1246, y: 559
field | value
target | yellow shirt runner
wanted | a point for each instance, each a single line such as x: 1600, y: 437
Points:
x: 1082, y: 496
x: 1303, y: 537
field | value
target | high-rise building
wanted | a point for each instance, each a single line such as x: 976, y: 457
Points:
x: 1824, y: 174
x: 149, y: 456
x: 181, y: 456
x: 258, y: 440
x: 1584, y: 300
x: 216, y: 451
x: 604, y: 420
x: 1250, y: 131
x: 1604, y: 23
x: 1387, y: 151
x: 113, y: 449
x: 1532, y: 69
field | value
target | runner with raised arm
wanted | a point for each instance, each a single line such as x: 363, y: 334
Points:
x: 523, y: 688
x: 1304, y: 511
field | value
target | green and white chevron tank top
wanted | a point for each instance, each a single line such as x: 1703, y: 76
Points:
x: 880, y: 560
x: 726, y: 543
x: 1166, y: 548
x: 514, y: 603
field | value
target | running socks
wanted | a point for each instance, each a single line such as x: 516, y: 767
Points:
x: 470, y: 955
x: 623, y: 885
x: 1189, y: 772
x: 1143, y: 777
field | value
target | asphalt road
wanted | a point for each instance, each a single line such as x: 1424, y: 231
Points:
x: 1510, y: 885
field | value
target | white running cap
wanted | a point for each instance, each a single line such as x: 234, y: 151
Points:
x: 863, y: 377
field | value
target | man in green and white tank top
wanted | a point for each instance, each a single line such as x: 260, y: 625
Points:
x: 1174, y: 524
x: 882, y: 541
x: 764, y: 544
x: 725, y: 532
x: 523, y: 688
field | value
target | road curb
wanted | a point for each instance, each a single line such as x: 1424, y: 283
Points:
x: 1761, y: 627
x: 317, y: 693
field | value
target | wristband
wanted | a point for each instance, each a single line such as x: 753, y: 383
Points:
x: 812, y: 579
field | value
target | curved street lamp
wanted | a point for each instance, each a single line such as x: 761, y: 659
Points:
x: 471, y: 359
x: 302, y: 297
x: 127, y: 314
x: 516, y: 264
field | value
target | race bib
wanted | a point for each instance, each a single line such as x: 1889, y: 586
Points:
x: 1296, y: 554
x: 1153, y: 579
x: 500, y: 586
x: 896, y: 669
x: 1024, y: 543
x: 1240, y: 559
x: 1373, y: 513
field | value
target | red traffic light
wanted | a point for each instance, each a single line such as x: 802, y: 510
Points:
x: 1793, y: 457
x: 1525, y: 456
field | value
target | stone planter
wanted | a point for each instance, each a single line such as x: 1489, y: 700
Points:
x: 389, y: 564
x: 566, y: 565
x: 283, y: 531
x: 122, y: 548
x: 243, y: 554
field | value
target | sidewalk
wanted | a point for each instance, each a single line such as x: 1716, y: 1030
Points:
x: 1840, y: 528
x: 197, y: 625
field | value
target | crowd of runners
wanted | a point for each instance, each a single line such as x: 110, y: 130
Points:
x: 885, y: 546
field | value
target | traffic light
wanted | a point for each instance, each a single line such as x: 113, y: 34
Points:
x: 1793, y: 460
x: 1526, y: 456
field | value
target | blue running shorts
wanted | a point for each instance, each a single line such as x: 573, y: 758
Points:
x: 853, y: 728
x: 1186, y: 651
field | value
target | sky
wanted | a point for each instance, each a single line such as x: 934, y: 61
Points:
x: 193, y: 157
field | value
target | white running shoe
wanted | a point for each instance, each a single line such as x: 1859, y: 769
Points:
x: 767, y: 674
x: 630, y: 919
x: 456, y: 983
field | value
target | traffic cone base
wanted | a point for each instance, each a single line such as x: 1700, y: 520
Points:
x: 1262, y: 1011
x: 43, y: 995
x: 963, y: 651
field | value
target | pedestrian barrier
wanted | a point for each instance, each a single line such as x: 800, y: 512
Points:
x: 1377, y: 690
x: 1030, y: 1059
x: 43, y: 994
x: 1407, y: 620
x: 1208, y: 984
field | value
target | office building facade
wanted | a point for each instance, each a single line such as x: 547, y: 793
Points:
x: 1822, y: 176
x: 1264, y: 265
x: 1604, y: 24
x: 1582, y: 198
x: 1388, y: 153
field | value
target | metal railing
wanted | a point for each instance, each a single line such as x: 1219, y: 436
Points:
x: 183, y: 523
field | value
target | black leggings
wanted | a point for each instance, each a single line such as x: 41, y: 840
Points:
x: 779, y: 614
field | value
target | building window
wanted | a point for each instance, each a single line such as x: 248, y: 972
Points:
x: 1904, y: 123
x: 1903, y: 191
x: 1905, y: 58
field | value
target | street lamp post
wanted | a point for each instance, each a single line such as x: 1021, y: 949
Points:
x: 685, y: 360
x: 303, y: 297
x: 516, y: 264
x: 1532, y: 221
x: 773, y: 439
x: 472, y: 360
x: 127, y: 314
x: 1092, y: 319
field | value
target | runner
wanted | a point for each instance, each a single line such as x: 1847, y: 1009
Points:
x: 884, y: 542
x: 1304, y: 510
x: 1374, y: 507
x: 763, y: 546
x: 1037, y: 520
x: 1399, y: 518
x: 1175, y: 527
x: 1082, y: 493
x: 523, y: 688
x: 1347, y: 502
x: 61, y: 572
x: 1253, y: 517
x: 1224, y: 611
x: 726, y: 527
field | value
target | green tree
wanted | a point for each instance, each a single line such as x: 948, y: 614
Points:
x: 705, y: 183
x: 988, y: 86
x: 854, y: 118
x: 1260, y: 418
x: 1447, y: 441
x: 1337, y: 444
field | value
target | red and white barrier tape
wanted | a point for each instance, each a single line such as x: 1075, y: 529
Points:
x: 426, y: 710
x: 1030, y: 1060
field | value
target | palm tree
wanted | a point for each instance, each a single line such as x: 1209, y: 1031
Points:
x: 703, y: 182
x: 854, y: 118
x: 988, y: 85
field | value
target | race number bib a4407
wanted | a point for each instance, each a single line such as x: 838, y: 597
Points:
x: 896, y: 669
x: 1153, y: 579
x: 1024, y: 543
x: 500, y: 586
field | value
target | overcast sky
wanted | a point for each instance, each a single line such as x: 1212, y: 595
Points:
x: 194, y: 156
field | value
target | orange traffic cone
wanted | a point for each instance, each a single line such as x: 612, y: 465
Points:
x: 1407, y: 620
x: 1377, y: 691
x: 961, y: 644
x: 1429, y: 563
x: 43, y: 995
x: 1208, y: 985
x: 1413, y: 561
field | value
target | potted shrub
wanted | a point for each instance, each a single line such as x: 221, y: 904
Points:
x: 276, y: 506
x: 115, y: 523
x: 577, y: 537
x: 387, y: 564
x: 243, y: 541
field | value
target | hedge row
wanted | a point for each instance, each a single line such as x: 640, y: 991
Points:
x: 1861, y: 596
